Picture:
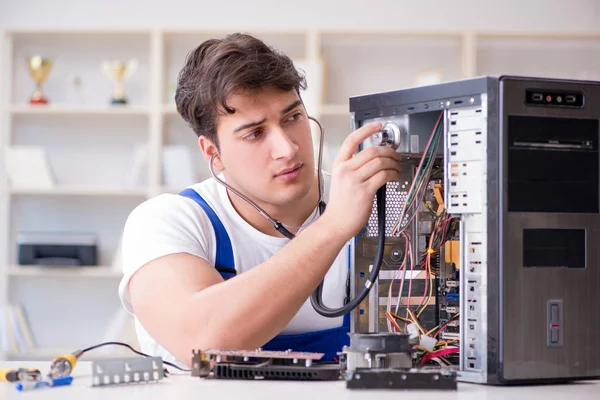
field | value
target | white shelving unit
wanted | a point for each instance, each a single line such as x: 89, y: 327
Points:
x: 90, y: 144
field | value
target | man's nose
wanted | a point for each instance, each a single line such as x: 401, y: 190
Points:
x: 282, y: 145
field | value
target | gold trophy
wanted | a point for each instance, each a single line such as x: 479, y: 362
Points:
x: 39, y: 68
x: 119, y: 71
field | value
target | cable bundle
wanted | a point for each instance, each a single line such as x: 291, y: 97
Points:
x: 418, y: 187
x: 444, y: 228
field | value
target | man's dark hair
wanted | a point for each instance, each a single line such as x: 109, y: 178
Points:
x: 218, y: 68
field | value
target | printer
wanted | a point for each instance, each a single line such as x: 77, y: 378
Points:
x: 56, y: 249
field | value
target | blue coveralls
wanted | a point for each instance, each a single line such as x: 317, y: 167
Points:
x: 327, y: 341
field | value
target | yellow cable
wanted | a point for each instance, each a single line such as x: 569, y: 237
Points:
x: 393, y: 321
x: 416, y: 321
x: 400, y: 318
x: 431, y: 330
x: 427, y: 270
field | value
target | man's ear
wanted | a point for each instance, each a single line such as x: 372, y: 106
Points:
x: 209, y: 148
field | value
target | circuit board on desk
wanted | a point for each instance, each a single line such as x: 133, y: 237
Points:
x: 298, y: 366
x: 259, y: 354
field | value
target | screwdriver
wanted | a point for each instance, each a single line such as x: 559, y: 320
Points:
x: 20, y: 374
x: 63, y: 365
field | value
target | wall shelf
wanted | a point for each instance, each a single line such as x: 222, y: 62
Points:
x: 79, y: 110
x: 79, y: 191
x: 64, y: 272
x: 169, y: 110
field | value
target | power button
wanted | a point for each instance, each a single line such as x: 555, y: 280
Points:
x: 554, y: 323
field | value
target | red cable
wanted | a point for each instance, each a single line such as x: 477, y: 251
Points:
x: 439, y: 353
x: 444, y: 326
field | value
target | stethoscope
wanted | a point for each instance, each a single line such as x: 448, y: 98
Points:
x: 278, y: 225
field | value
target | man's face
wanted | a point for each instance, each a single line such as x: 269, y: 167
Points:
x: 266, y: 146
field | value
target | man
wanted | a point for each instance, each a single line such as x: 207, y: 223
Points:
x: 243, y: 101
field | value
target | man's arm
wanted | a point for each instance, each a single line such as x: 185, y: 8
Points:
x: 183, y: 302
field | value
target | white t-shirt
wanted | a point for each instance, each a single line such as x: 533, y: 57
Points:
x: 170, y: 223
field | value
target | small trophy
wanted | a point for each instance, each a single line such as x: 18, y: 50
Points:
x: 39, y: 68
x: 119, y: 72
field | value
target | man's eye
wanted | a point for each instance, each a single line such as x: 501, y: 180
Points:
x: 252, y: 135
x: 295, y: 117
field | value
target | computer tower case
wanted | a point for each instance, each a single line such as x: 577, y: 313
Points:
x: 517, y: 172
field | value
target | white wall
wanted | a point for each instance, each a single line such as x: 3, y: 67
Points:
x: 514, y: 15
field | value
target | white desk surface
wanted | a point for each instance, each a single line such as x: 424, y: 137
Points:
x: 180, y: 385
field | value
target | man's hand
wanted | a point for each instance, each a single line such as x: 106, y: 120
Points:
x: 356, y: 178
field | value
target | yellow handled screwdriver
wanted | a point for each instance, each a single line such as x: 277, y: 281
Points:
x: 63, y: 365
x: 20, y: 374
